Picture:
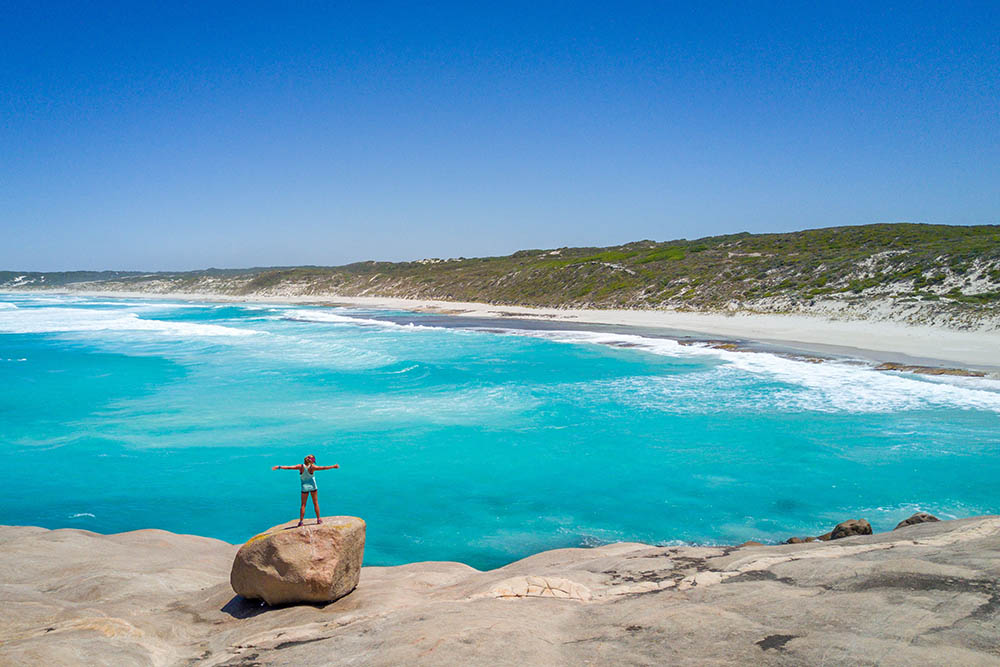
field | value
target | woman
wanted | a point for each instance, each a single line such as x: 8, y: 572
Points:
x: 306, y: 470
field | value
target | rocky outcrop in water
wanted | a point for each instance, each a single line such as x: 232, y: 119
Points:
x: 919, y: 517
x: 311, y: 563
x: 843, y: 529
x: 928, y: 370
x: 848, y: 528
x: 925, y: 594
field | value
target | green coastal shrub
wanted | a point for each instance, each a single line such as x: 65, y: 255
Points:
x: 708, y: 273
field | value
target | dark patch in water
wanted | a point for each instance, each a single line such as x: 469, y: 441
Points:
x: 786, y: 505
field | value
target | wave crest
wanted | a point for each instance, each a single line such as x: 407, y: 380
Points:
x: 66, y: 320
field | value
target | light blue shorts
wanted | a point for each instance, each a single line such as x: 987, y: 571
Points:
x: 308, y: 486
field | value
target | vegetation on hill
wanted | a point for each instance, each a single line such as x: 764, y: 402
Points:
x: 37, y: 279
x: 958, y: 266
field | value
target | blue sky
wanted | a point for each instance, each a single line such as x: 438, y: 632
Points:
x: 228, y: 135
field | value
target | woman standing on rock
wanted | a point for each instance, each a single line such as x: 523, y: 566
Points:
x: 306, y: 471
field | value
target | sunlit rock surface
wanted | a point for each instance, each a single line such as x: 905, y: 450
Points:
x: 315, y: 562
x: 923, y: 594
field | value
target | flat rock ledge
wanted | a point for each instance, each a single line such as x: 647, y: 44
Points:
x: 313, y: 563
x: 924, y: 594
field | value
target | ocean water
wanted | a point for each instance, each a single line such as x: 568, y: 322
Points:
x: 478, y: 441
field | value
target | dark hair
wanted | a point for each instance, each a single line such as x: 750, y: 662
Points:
x: 310, y: 456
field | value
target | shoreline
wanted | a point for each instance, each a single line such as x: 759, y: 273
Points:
x: 875, y: 341
x: 673, y: 545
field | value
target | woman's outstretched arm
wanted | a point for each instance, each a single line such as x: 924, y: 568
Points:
x: 298, y: 467
x: 335, y: 465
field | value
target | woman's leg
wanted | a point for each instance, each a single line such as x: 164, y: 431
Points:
x: 315, y: 504
x: 302, y: 510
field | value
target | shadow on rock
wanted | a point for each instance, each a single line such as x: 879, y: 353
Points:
x: 240, y: 607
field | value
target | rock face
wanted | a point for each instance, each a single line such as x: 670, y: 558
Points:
x: 311, y: 563
x: 848, y: 528
x: 851, y: 528
x: 927, y: 595
x: 919, y: 517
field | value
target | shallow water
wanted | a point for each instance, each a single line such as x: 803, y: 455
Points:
x: 461, y: 443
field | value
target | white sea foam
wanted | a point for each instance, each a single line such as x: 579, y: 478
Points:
x: 80, y: 515
x: 147, y: 305
x: 350, y: 354
x: 404, y: 370
x: 327, y: 317
x: 5, y: 305
x: 468, y: 406
x: 59, y: 320
x: 35, y: 299
x: 832, y: 386
x: 662, y: 346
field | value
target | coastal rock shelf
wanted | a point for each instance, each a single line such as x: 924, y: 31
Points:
x: 922, y: 594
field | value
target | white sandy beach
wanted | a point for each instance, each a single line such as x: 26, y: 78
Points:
x: 873, y: 340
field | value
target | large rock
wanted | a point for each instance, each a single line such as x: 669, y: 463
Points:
x: 919, y: 517
x: 314, y: 563
x: 848, y: 528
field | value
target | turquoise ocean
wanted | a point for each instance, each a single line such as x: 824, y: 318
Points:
x: 476, y: 441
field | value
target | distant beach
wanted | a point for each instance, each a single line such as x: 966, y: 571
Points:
x: 876, y: 341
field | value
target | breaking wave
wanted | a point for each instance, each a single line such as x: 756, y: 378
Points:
x: 833, y: 386
x: 326, y: 317
x: 64, y: 320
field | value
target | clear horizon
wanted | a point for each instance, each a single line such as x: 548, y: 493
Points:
x: 234, y: 136
x: 376, y: 259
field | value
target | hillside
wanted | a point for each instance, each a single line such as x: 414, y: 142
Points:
x: 937, y: 274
